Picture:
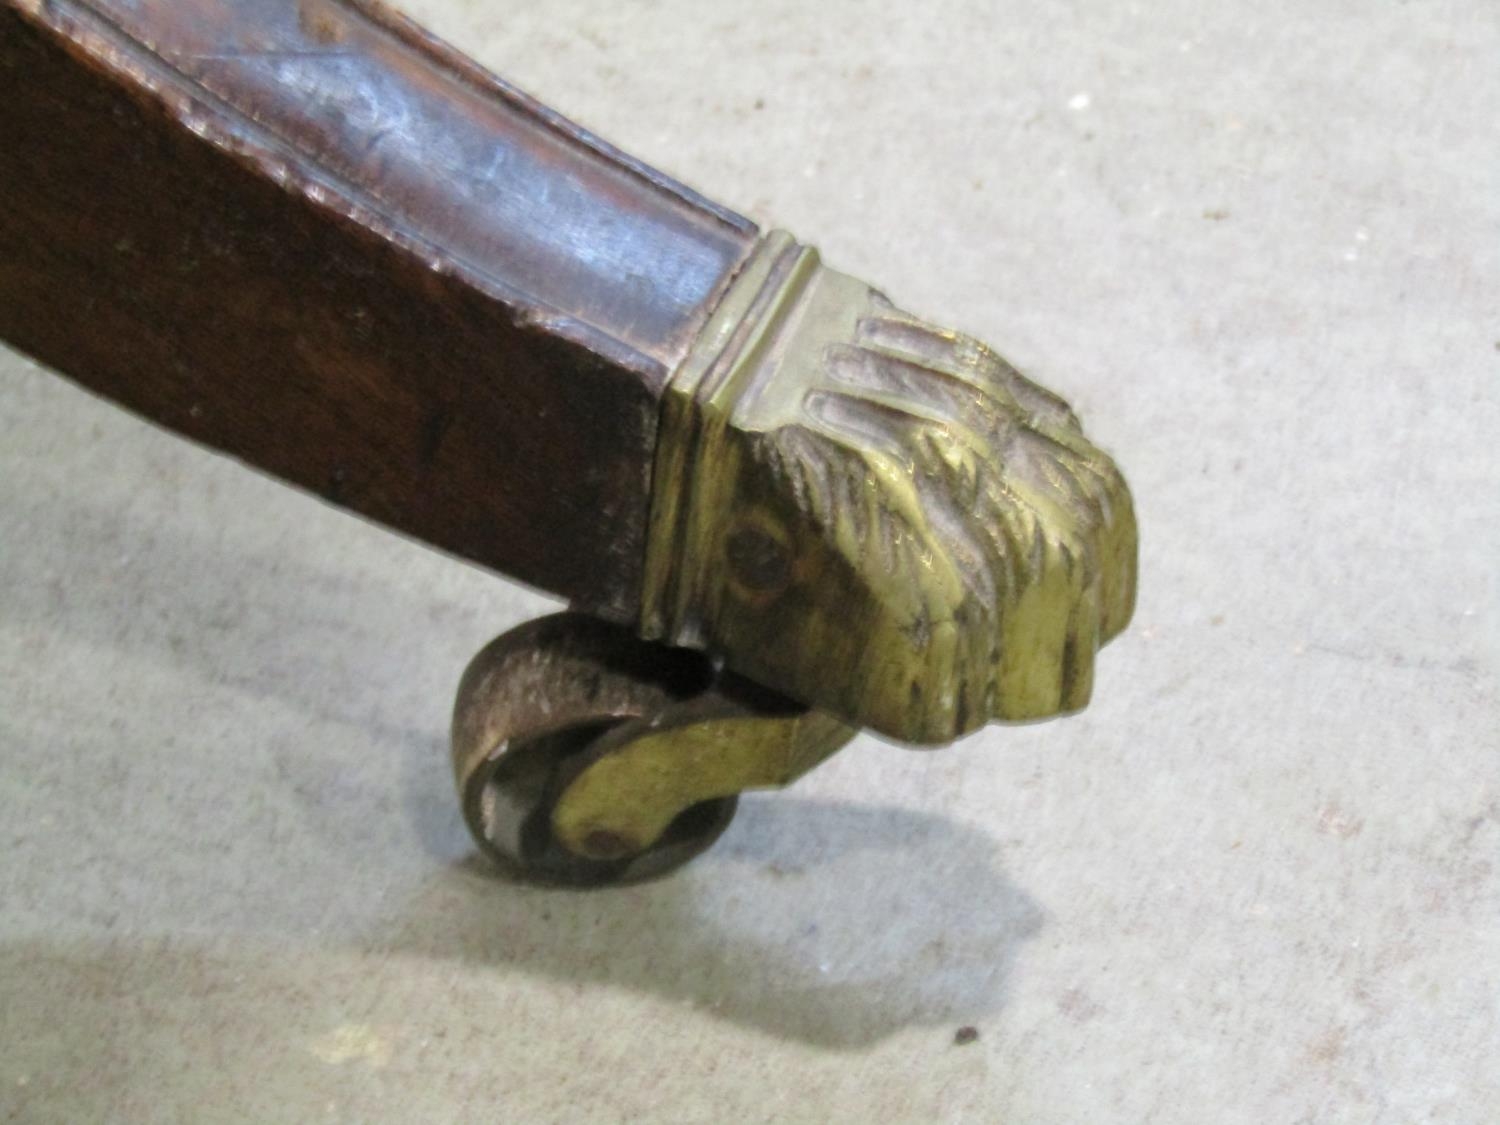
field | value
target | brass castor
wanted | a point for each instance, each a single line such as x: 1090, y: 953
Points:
x: 586, y: 756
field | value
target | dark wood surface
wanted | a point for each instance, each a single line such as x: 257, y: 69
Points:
x: 304, y: 234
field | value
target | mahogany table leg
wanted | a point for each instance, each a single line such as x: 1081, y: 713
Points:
x: 304, y: 233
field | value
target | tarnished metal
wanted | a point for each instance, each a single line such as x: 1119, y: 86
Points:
x: 585, y: 756
x: 879, y: 516
x: 636, y: 779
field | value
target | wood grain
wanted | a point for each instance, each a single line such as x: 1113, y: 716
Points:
x: 307, y: 236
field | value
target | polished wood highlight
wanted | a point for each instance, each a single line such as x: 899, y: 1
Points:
x: 307, y: 235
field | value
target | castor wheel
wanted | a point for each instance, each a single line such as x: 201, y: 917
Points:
x: 585, y: 756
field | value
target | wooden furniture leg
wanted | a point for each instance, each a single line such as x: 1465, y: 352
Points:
x: 305, y: 234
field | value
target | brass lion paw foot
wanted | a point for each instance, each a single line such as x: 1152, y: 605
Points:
x: 879, y: 516
x: 865, y: 512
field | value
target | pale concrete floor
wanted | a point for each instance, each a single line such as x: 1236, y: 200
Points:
x: 1257, y: 244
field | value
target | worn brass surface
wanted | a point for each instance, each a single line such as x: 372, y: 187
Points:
x: 880, y: 517
x: 640, y: 776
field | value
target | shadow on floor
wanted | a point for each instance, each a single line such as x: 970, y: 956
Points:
x: 831, y: 923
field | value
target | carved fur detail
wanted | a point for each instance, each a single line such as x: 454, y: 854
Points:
x: 956, y: 550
